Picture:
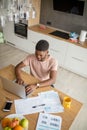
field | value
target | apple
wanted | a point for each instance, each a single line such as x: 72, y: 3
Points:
x: 14, y: 122
x: 24, y: 123
x: 7, y: 128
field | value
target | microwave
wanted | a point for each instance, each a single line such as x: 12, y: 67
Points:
x: 20, y: 29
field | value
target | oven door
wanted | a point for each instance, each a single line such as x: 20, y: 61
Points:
x: 20, y: 29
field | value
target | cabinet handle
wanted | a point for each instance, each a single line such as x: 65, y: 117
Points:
x: 77, y: 59
x: 54, y: 50
x: 21, y: 36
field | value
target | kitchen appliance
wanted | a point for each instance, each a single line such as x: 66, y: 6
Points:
x: 60, y: 34
x: 82, y: 36
x: 20, y: 29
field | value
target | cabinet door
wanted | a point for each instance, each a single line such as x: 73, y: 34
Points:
x: 76, y: 60
x: 58, y: 49
x: 34, y: 37
x: 8, y: 32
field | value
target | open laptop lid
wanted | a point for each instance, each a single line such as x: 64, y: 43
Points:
x: 13, y: 87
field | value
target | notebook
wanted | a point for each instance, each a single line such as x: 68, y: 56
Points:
x: 13, y: 87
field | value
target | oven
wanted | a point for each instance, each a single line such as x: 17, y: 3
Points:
x: 20, y: 29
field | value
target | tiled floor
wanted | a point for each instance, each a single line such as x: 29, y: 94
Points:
x: 68, y: 82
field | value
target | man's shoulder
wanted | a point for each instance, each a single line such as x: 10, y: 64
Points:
x: 53, y: 63
x: 52, y: 59
x: 31, y: 56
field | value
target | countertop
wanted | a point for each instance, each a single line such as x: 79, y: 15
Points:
x: 46, y: 30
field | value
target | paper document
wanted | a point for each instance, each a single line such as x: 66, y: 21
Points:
x: 48, y: 122
x: 52, y: 102
x: 29, y: 105
x: 48, y: 102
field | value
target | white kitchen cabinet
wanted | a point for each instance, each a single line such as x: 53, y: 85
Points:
x: 8, y: 32
x: 13, y: 39
x: 57, y: 47
x: 34, y: 37
x: 76, y: 59
x: 69, y: 56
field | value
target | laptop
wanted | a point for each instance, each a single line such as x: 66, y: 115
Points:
x: 13, y: 87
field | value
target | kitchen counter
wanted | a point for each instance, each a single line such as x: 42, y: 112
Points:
x: 46, y: 30
x: 70, y: 55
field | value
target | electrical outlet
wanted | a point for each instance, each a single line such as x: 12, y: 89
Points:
x: 48, y: 22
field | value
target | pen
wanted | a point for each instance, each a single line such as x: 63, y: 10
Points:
x: 38, y: 105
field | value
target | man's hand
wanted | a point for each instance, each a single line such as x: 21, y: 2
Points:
x: 19, y: 81
x: 30, y: 88
x: 18, y: 73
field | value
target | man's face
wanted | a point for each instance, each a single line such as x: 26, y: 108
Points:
x: 41, y: 55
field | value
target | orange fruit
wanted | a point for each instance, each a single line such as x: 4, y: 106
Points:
x: 18, y: 127
x: 5, y: 122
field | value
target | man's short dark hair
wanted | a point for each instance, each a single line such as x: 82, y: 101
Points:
x: 42, y: 45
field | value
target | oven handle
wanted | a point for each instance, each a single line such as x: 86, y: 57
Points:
x: 21, y: 36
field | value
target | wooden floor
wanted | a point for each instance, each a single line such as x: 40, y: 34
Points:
x: 68, y: 82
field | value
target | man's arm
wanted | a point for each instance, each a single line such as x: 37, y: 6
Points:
x: 50, y: 81
x: 18, y: 71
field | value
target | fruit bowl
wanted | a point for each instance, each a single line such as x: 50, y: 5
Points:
x: 14, y: 122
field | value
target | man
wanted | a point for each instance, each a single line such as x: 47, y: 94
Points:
x: 42, y: 66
